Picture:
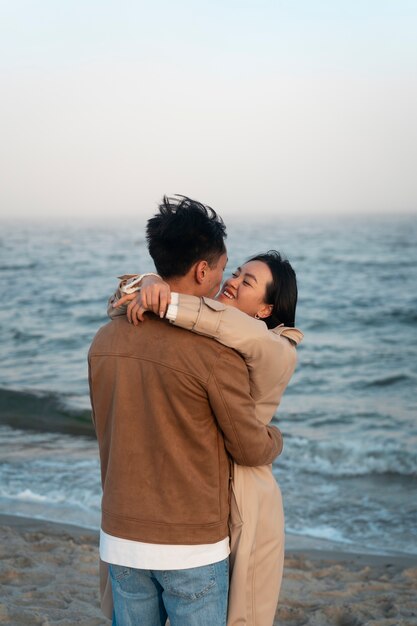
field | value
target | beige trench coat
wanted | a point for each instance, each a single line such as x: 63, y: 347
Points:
x: 257, y: 517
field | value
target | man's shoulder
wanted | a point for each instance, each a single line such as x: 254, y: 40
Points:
x: 108, y: 334
x: 158, y: 340
x: 181, y: 335
x: 101, y: 332
x: 206, y: 354
x: 188, y: 340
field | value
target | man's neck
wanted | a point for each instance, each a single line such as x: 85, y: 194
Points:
x: 183, y: 285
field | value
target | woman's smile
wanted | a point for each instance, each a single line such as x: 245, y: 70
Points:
x: 226, y: 292
x: 246, y: 289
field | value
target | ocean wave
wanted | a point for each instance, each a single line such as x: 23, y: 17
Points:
x: 24, y: 336
x: 93, y: 319
x: 364, y: 312
x: 312, y: 324
x: 27, y: 496
x: 76, y: 497
x: 384, y: 381
x: 349, y: 458
x: 326, y: 532
x: 17, y: 267
x: 406, y: 314
x: 41, y: 411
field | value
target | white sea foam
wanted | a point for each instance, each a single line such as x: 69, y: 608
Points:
x: 326, y: 532
x: 355, y: 457
x: 27, y: 496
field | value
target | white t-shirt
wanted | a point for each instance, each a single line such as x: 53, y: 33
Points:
x: 141, y: 555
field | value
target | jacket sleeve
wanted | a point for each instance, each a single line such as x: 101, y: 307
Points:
x: 247, y: 439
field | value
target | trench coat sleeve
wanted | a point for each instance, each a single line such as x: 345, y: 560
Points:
x: 264, y: 350
x: 121, y: 310
x: 246, y: 438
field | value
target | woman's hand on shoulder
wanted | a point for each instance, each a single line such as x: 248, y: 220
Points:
x: 154, y: 296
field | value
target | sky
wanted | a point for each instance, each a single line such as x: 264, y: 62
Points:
x: 261, y: 107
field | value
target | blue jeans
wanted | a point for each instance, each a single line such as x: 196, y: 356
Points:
x: 189, y: 597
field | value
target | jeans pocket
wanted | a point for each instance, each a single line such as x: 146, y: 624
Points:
x: 190, y: 584
x: 124, y: 578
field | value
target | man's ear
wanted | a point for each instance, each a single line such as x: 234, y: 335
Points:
x: 265, y: 311
x: 200, y: 271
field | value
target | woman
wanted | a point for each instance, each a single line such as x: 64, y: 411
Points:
x: 254, y: 314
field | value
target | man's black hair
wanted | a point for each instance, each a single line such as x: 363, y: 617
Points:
x: 183, y: 232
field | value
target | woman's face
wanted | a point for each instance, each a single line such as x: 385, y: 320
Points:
x: 246, y: 289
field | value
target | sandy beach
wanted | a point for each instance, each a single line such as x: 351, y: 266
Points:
x: 48, y: 575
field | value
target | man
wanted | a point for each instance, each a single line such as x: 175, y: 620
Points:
x: 169, y: 407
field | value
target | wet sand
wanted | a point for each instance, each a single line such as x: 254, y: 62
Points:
x: 49, y: 575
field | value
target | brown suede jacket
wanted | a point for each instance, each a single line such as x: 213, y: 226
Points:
x: 169, y: 407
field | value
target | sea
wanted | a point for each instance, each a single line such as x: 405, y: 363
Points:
x: 348, y: 471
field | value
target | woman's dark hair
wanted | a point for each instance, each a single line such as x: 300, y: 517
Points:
x: 282, y: 291
x: 182, y: 233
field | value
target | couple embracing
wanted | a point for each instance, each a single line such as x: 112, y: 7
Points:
x: 192, y: 521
